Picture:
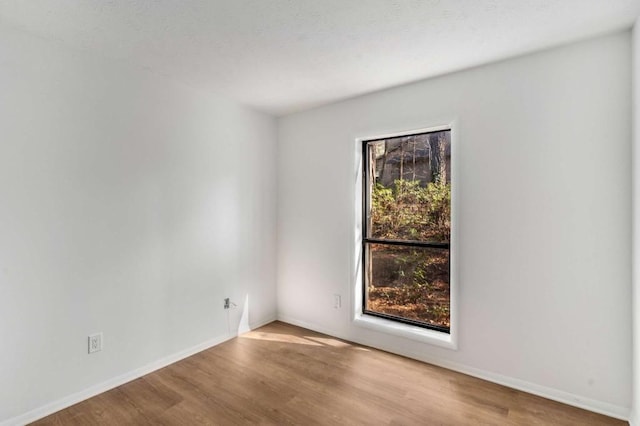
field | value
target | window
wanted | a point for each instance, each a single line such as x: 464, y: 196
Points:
x: 407, y: 228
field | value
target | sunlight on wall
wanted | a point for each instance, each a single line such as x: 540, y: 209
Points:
x: 243, y: 326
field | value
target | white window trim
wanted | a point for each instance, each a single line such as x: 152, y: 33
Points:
x: 424, y: 335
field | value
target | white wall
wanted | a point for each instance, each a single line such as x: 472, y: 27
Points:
x: 128, y: 205
x: 635, y: 404
x: 544, y: 218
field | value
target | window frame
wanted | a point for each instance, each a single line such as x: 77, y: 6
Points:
x: 390, y: 324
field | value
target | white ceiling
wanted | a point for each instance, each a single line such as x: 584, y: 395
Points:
x: 282, y: 56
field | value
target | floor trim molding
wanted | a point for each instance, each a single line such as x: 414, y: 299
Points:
x: 114, y: 382
x: 595, y: 406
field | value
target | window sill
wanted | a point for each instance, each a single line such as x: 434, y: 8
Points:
x: 432, y: 337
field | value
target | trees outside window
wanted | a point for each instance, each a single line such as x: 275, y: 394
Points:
x: 407, y: 228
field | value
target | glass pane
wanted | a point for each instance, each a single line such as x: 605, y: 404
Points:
x: 408, y: 282
x: 410, y: 187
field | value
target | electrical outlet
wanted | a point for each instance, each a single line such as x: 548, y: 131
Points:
x: 337, y: 301
x: 95, y: 343
x: 227, y: 303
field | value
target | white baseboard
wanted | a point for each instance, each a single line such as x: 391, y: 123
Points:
x: 545, y: 392
x: 262, y: 322
x: 309, y: 326
x: 596, y: 406
x: 99, y: 388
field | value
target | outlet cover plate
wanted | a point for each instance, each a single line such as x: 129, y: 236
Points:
x: 95, y: 342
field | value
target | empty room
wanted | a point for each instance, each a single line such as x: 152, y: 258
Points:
x: 376, y: 212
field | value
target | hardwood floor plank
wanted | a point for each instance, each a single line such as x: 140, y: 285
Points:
x: 285, y: 375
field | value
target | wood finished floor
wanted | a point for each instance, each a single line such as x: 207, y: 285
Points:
x: 282, y: 374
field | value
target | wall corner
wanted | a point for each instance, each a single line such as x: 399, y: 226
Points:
x: 635, y: 225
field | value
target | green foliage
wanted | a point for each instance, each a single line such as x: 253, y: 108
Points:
x: 411, y: 283
x: 409, y: 211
